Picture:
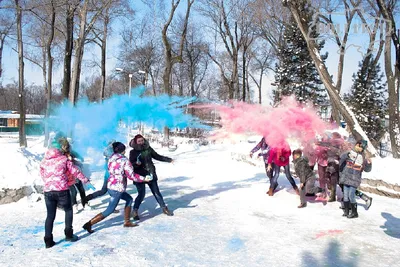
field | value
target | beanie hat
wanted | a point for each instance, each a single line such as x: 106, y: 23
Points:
x: 108, y: 151
x: 134, y: 140
x: 118, y: 147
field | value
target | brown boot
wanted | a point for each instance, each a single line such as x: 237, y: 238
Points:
x: 127, y: 218
x: 332, y: 196
x: 88, y: 226
x: 270, y: 192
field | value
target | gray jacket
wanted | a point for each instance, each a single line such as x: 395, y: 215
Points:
x: 302, y: 169
x: 352, y: 164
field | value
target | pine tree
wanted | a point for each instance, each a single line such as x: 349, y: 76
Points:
x: 368, y: 98
x: 296, y: 73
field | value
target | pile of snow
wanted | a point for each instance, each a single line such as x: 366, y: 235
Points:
x: 20, y: 166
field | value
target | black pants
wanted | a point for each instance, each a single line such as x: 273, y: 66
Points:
x: 141, y: 188
x: 81, y: 189
x: 52, y: 200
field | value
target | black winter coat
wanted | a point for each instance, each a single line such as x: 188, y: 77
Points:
x: 145, y: 153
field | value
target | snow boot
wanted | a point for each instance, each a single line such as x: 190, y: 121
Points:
x: 88, y: 226
x: 135, y: 215
x: 302, y: 205
x: 69, y: 235
x: 346, y: 205
x: 167, y: 211
x: 332, y: 196
x: 127, y: 218
x: 353, y: 213
x: 367, y: 199
x: 48, y: 241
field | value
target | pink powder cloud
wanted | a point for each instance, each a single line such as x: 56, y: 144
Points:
x: 288, y: 120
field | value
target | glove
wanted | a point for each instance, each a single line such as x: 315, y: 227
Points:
x: 148, y: 178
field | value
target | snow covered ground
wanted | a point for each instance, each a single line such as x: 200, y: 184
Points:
x: 222, y: 217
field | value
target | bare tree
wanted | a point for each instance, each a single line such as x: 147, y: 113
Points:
x: 393, y: 77
x: 84, y: 28
x: 262, y: 58
x: 303, y: 22
x: 21, y: 93
x: 7, y: 23
x: 170, y: 59
x: 70, y: 8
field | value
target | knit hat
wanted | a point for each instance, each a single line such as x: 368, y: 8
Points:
x: 118, y: 147
x: 134, y: 140
x: 108, y: 151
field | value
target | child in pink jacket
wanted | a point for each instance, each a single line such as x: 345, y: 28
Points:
x: 54, y: 170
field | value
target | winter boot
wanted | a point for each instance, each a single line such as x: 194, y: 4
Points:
x: 167, y: 211
x: 135, y: 215
x: 69, y: 235
x: 302, y: 205
x: 346, y: 209
x: 127, y: 218
x: 270, y: 192
x: 353, y: 213
x: 88, y: 226
x: 332, y: 196
x: 49, y: 242
x: 367, y: 199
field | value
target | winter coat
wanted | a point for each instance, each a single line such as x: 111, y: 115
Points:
x: 265, y: 149
x: 120, y: 169
x: 279, y: 156
x: 55, y: 169
x: 352, y: 165
x: 144, y: 154
x: 302, y: 169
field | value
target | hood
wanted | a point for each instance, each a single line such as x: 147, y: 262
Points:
x: 53, y: 153
x: 145, y: 146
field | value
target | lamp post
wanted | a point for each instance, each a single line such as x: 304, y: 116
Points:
x: 130, y: 77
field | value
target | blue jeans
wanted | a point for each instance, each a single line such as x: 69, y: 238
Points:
x: 99, y: 193
x: 276, y: 171
x: 349, y: 194
x: 115, y: 197
x: 52, y: 200
x: 141, y: 188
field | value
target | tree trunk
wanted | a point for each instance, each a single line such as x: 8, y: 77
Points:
x: 103, y: 55
x: 21, y: 93
x: 2, y: 39
x: 393, y: 97
x: 244, y: 74
x: 79, y: 48
x: 333, y: 93
x: 152, y: 83
x: 49, y: 71
x: 69, y: 41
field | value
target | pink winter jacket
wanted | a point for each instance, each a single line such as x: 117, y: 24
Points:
x: 120, y: 169
x: 55, y: 169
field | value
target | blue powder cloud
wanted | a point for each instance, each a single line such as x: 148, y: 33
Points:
x: 94, y: 124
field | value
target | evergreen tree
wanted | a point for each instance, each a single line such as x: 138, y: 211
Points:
x: 368, y: 98
x: 296, y: 73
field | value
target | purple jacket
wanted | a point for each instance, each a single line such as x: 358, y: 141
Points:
x: 264, y: 149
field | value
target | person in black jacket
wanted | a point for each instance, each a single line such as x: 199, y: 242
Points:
x: 141, y: 158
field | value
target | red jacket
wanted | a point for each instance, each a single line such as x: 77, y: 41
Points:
x: 279, y: 156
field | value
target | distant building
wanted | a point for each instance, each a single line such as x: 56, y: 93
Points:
x: 9, y: 122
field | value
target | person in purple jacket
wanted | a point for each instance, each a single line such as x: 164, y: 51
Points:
x: 265, y: 148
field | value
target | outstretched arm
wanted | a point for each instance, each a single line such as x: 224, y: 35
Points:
x: 158, y: 157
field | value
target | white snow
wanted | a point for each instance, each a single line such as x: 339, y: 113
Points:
x: 222, y: 218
